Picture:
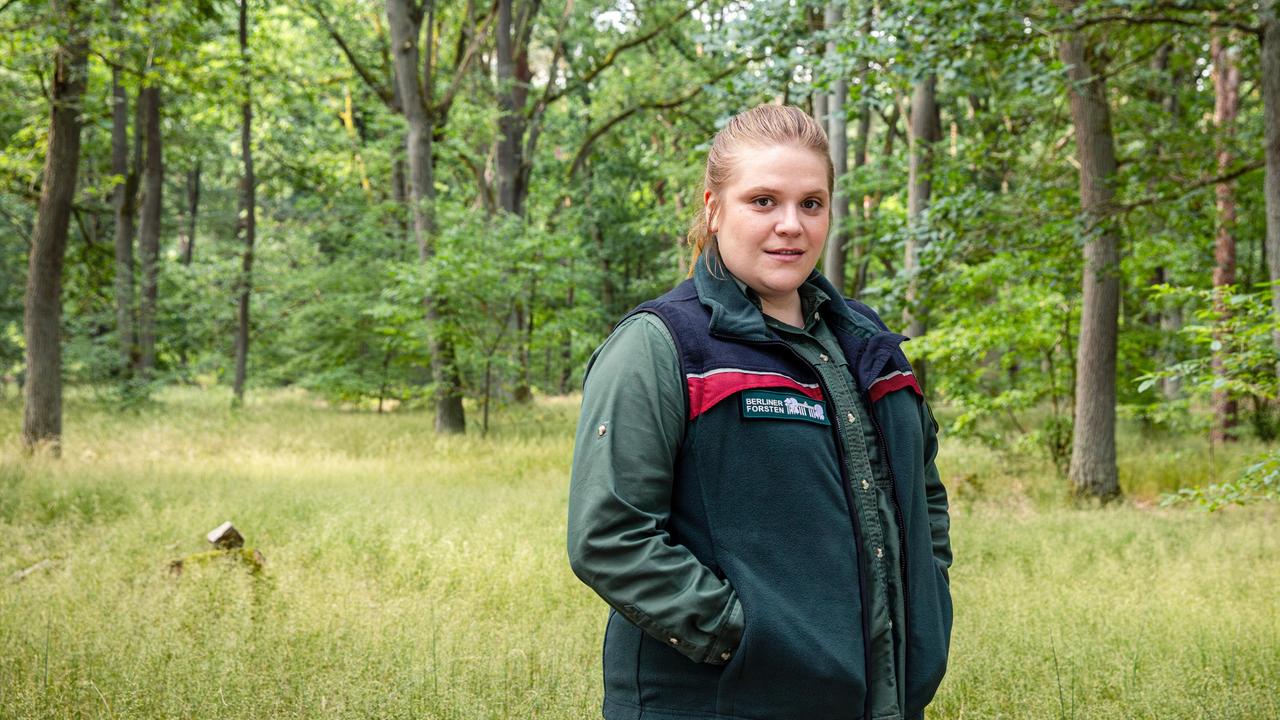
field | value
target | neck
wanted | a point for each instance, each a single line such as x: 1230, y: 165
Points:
x: 785, y: 309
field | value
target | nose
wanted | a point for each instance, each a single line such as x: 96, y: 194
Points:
x: 789, y: 222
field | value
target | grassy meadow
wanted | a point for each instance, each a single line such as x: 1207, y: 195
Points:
x: 414, y: 576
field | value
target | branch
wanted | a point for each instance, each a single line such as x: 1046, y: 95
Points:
x: 1186, y: 190
x: 623, y: 47
x: 1165, y: 20
x: 460, y: 70
x: 594, y: 135
x: 378, y: 88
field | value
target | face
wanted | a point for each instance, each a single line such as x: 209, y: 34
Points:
x: 771, y: 218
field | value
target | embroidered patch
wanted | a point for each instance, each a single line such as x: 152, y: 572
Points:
x: 769, y: 405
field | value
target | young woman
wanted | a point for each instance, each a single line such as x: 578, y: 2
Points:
x: 754, y: 491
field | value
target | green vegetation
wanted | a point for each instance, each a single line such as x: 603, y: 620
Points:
x: 411, y: 574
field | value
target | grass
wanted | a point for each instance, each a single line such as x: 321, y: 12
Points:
x: 410, y: 575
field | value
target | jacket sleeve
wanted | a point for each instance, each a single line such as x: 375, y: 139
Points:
x: 624, y: 456
x: 935, y: 494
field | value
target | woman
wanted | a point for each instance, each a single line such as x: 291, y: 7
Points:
x: 753, y: 490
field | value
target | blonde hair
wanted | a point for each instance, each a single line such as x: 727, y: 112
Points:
x: 761, y: 126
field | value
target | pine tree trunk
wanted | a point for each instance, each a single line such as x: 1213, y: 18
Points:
x: 124, y: 203
x: 149, y: 232
x: 1270, y: 84
x: 837, y: 239
x: 248, y: 209
x: 1226, y: 84
x: 1093, y: 452
x: 925, y: 133
x: 405, y: 21
x: 42, y: 318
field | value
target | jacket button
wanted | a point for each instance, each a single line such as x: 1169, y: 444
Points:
x: 725, y: 655
x: 879, y: 552
x: 850, y: 416
x: 866, y: 485
x: 823, y: 357
x: 674, y: 641
x: 600, y: 431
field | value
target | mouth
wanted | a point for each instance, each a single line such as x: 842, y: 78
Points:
x: 785, y: 253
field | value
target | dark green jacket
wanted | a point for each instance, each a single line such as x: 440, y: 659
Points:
x: 738, y: 539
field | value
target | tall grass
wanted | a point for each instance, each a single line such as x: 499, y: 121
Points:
x: 412, y: 575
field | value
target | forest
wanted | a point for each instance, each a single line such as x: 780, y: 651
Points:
x: 244, y: 243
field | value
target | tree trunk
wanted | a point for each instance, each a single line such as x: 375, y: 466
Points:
x: 837, y: 240
x: 1093, y: 452
x: 149, y: 233
x: 1270, y: 83
x: 405, y: 21
x: 925, y: 133
x: 248, y: 208
x: 188, y: 241
x: 42, y: 318
x: 1226, y: 85
x: 124, y: 203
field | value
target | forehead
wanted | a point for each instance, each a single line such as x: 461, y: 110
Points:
x: 783, y: 167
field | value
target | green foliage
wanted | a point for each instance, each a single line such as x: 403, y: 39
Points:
x: 1258, y: 483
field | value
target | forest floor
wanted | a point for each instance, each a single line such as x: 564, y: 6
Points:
x: 414, y: 576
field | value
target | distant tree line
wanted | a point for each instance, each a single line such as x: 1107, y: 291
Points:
x: 1072, y: 208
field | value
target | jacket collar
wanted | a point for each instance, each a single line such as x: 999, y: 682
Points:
x: 734, y: 315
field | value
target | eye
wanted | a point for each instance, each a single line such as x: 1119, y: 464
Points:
x: 762, y: 201
x: 811, y: 204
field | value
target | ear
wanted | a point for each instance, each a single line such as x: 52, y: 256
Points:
x: 712, y: 204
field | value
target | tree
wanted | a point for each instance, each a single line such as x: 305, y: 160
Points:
x: 1270, y: 84
x: 149, y: 232
x: 1093, y: 470
x: 248, y: 207
x: 42, y: 411
x: 837, y: 251
x: 124, y: 202
x: 1226, y: 84
x: 925, y: 132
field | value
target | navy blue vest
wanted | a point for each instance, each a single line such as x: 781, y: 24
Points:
x: 766, y: 505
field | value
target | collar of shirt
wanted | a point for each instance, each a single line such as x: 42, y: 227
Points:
x: 812, y: 298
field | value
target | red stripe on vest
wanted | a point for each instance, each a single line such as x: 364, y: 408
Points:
x: 705, y: 392
x: 889, y: 383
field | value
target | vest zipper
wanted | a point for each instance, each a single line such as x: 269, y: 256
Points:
x: 850, y: 507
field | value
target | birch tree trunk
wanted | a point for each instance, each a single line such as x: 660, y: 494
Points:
x: 42, y: 303
x: 248, y: 209
x: 1226, y: 85
x: 1093, y: 451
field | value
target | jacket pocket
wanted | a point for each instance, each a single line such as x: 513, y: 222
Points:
x: 929, y: 643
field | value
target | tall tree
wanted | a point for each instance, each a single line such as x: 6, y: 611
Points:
x: 406, y: 23
x: 149, y: 232
x: 1093, y: 451
x: 42, y: 319
x: 1270, y: 83
x: 124, y: 202
x: 837, y: 240
x: 925, y: 132
x: 248, y: 206
x: 187, y: 240
x: 1226, y: 86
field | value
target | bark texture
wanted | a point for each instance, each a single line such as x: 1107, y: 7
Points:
x: 925, y: 133
x: 1270, y: 83
x: 405, y: 21
x: 1093, y: 452
x: 836, y: 252
x: 1226, y: 85
x: 149, y: 232
x: 187, y: 242
x: 248, y: 209
x: 124, y: 204
x: 42, y: 317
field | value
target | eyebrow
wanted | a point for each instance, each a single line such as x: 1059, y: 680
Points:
x: 822, y: 192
